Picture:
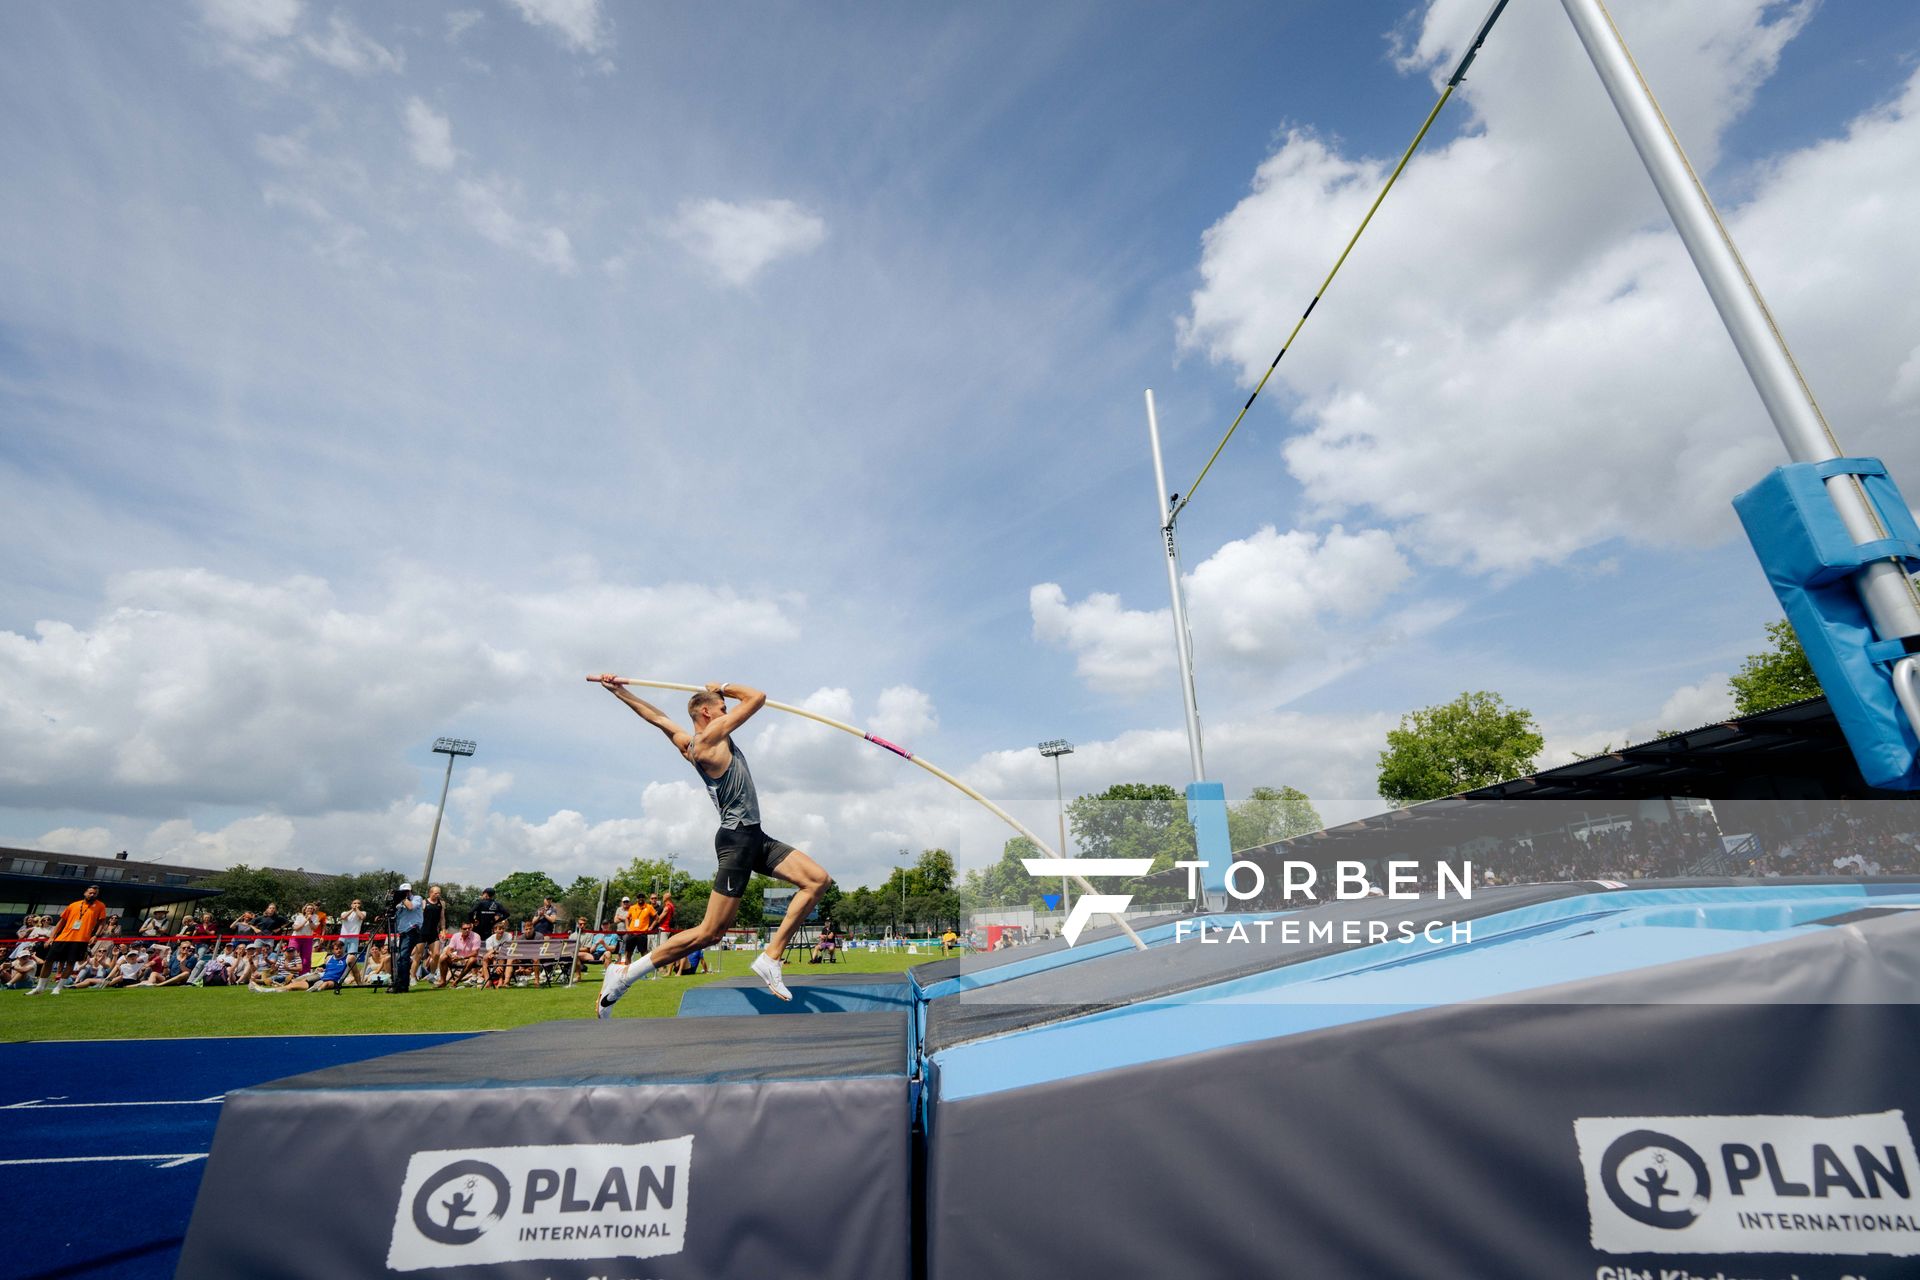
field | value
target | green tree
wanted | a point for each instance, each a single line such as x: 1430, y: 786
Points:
x: 1005, y: 883
x: 934, y: 872
x: 1133, y: 820
x: 1474, y: 741
x: 1269, y: 815
x: 1776, y: 677
x: 521, y: 891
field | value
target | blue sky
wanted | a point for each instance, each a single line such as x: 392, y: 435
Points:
x: 369, y: 373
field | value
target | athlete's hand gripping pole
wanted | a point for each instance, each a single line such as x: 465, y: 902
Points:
x: 904, y: 754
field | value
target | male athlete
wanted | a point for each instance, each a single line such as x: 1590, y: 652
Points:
x: 740, y: 845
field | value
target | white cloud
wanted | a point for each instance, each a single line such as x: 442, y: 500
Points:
x: 738, y: 241
x: 1519, y: 361
x: 581, y: 25
x: 251, y: 21
x: 429, y: 135
x: 251, y: 34
x: 194, y: 688
x: 1262, y: 608
x: 461, y: 21
x: 1706, y: 701
x: 347, y: 48
x: 1116, y: 649
x: 485, y: 206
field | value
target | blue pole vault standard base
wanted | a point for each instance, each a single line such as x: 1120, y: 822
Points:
x: 673, y: 1148
x: 812, y: 993
x: 1207, y: 811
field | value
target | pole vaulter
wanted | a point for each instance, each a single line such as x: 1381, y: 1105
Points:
x: 1071, y: 867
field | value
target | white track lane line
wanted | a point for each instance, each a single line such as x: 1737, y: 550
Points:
x: 48, y: 1104
x: 170, y: 1159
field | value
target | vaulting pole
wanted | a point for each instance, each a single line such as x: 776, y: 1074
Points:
x: 924, y: 763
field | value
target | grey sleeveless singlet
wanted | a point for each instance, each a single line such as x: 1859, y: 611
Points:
x: 733, y: 793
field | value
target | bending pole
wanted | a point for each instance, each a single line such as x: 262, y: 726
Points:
x: 905, y: 754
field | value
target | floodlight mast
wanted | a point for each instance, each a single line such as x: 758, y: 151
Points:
x: 448, y: 747
x: 1884, y: 588
x: 1053, y: 749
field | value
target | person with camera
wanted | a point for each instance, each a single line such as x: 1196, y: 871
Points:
x: 409, y: 913
x: 487, y: 913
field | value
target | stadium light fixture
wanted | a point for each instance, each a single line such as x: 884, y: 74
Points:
x: 1053, y: 749
x: 448, y: 747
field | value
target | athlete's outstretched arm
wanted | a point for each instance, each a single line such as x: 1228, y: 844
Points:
x: 648, y: 712
x: 749, y: 700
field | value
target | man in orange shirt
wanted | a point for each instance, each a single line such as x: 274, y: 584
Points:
x: 642, y: 924
x: 78, y: 923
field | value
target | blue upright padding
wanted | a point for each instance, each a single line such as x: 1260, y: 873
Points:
x: 1207, y: 811
x: 1810, y: 559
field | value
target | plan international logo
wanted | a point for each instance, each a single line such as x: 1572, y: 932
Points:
x: 1248, y: 880
x: 1751, y: 1184
x: 502, y: 1204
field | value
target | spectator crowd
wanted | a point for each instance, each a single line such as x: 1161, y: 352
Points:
x: 413, y: 940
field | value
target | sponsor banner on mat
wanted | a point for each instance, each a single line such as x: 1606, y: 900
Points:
x: 480, y: 1205
x: 1751, y: 1184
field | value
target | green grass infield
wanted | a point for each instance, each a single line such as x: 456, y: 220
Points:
x: 137, y: 1013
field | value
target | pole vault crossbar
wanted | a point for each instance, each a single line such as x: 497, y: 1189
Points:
x: 907, y: 755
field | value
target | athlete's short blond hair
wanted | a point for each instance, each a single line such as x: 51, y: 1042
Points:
x: 704, y: 698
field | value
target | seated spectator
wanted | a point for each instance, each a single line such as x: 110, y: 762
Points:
x: 463, y: 956
x: 692, y: 963
x: 377, y: 970
x: 826, y: 945
x: 130, y: 970
x: 330, y: 976
x: 153, y: 924
x: 218, y: 970
x: 88, y: 973
x: 171, y: 966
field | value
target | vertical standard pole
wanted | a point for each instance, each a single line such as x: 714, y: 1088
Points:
x: 1183, y: 639
x: 426, y: 876
x: 1883, y: 585
x: 1060, y: 799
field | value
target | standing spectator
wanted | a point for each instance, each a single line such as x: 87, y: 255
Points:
x: 663, y: 922
x: 306, y: 923
x: 352, y: 921
x: 487, y: 913
x: 246, y: 925
x: 78, y: 923
x: 408, y: 910
x: 150, y: 927
x: 623, y: 926
x: 433, y: 917
x: 545, y: 918
x: 642, y: 923
x: 270, y: 921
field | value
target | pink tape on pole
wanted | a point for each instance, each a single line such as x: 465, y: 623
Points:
x: 878, y: 741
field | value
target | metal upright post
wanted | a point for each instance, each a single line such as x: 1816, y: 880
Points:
x: 1183, y: 638
x: 1883, y: 585
x: 1054, y: 749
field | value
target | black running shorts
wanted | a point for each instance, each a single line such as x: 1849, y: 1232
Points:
x: 742, y: 851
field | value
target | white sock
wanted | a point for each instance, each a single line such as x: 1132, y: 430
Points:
x: 639, y: 969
